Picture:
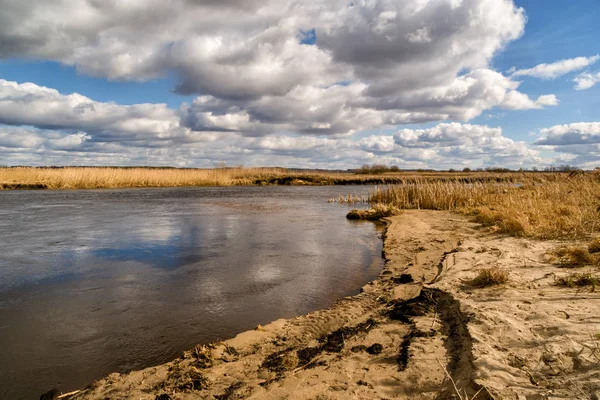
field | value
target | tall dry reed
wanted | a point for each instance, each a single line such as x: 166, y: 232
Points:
x: 557, y: 206
x: 89, y: 178
x: 106, y: 177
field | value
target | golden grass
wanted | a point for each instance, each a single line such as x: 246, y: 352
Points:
x: 544, y: 206
x: 377, y: 212
x: 490, y: 277
x: 594, y: 246
x: 89, y: 178
x: 574, y: 256
x: 107, y: 177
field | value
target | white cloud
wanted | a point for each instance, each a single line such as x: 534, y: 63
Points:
x: 556, y: 69
x: 399, y: 62
x: 264, y: 96
x: 421, y: 35
x: 45, y: 108
x: 570, y: 134
x: 586, y: 80
x: 576, y: 143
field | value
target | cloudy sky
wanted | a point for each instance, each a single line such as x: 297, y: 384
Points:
x: 299, y: 83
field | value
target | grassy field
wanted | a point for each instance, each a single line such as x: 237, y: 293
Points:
x: 545, y: 206
x: 540, y: 205
x: 90, y: 178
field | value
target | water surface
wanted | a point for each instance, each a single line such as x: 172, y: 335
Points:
x: 95, y: 282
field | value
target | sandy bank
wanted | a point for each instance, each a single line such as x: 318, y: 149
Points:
x: 417, y: 332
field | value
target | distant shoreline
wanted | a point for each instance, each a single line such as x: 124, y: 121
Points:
x: 30, y: 178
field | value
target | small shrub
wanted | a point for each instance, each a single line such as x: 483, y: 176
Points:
x: 574, y: 256
x: 579, y: 280
x: 594, y: 246
x: 502, y: 223
x: 490, y: 277
x: 511, y: 227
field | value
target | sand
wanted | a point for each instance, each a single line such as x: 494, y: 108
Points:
x: 419, y: 331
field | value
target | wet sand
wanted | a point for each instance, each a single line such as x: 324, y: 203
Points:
x: 419, y: 331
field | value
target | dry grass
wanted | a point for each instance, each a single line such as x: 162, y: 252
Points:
x: 90, y: 178
x: 490, y: 277
x: 377, y: 212
x: 544, y: 206
x: 579, y: 280
x: 594, y: 246
x: 106, y: 177
x: 573, y: 256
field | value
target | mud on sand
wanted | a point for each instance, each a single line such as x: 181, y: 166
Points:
x: 417, y: 332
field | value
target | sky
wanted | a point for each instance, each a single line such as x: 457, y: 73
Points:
x: 434, y: 84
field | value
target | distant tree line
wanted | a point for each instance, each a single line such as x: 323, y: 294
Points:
x: 376, y: 169
x: 381, y: 169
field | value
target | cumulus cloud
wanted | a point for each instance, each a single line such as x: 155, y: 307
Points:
x: 275, y: 81
x: 586, y: 80
x: 368, y: 64
x: 577, y: 143
x: 45, y: 108
x: 462, y: 142
x: 571, y: 134
x: 556, y: 69
x: 442, y: 146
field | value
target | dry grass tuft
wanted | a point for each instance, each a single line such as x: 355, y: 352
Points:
x: 594, y: 246
x: 377, y: 212
x: 579, y: 280
x: 490, y: 277
x: 573, y: 256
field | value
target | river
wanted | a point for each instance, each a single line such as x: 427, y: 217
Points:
x: 100, y: 281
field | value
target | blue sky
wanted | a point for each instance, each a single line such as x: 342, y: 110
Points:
x: 555, y: 30
x: 267, y: 92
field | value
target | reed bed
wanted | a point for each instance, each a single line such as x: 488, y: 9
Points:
x: 557, y: 206
x: 107, y: 177
x: 87, y: 178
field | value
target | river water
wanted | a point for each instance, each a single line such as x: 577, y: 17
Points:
x: 95, y: 282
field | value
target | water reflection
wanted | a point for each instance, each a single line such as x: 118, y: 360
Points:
x: 95, y: 282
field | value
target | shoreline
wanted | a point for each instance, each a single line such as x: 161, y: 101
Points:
x: 29, y: 178
x: 417, y: 331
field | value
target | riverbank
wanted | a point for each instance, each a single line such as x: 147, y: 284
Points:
x: 420, y: 330
x: 109, y: 177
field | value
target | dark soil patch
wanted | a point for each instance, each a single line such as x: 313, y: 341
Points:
x: 403, y: 279
x: 404, y: 311
x: 278, y: 362
x: 404, y: 354
x: 335, y: 341
x: 306, y: 355
x: 375, y: 349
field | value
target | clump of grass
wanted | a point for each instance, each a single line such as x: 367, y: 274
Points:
x: 377, y: 212
x: 579, y: 280
x: 490, y: 277
x: 574, y: 256
x: 502, y: 222
x: 594, y: 246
